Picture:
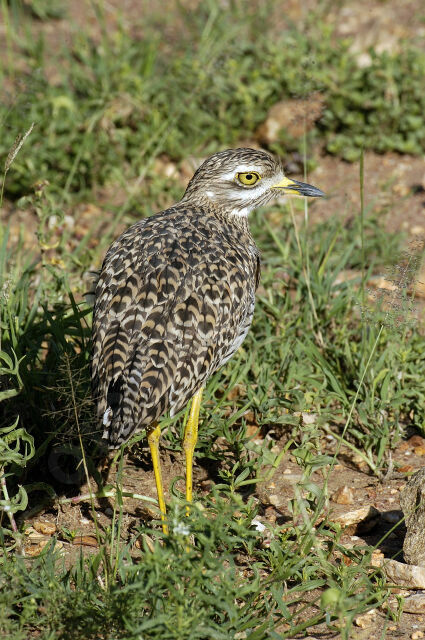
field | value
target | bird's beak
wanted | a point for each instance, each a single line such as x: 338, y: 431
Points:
x: 293, y: 187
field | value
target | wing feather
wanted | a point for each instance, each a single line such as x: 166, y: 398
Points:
x: 169, y: 306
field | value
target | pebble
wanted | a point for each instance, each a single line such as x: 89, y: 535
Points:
x: 45, y: 527
x: 363, y: 519
x: 275, y: 500
x: 366, y: 619
x: 406, y: 575
x: 377, y: 558
x: 414, y: 603
x: 343, y: 495
x: 293, y: 478
x: 35, y: 549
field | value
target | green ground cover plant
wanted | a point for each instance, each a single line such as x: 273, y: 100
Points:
x: 114, y: 102
x: 116, y: 105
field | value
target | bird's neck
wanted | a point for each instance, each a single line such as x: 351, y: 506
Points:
x: 229, y: 217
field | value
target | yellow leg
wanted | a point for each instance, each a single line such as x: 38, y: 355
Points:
x: 189, y: 441
x: 153, y: 438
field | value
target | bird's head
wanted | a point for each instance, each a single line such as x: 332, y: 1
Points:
x: 239, y: 180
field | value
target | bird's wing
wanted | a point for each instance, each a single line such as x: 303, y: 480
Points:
x: 169, y: 304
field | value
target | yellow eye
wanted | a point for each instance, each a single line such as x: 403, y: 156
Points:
x: 248, y: 178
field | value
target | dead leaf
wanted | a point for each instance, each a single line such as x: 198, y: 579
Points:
x: 86, y: 541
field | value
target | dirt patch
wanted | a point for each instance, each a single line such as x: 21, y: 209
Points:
x: 394, y: 187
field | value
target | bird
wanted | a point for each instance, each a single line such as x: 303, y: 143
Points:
x: 175, y: 300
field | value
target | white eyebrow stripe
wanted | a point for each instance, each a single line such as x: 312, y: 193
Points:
x: 242, y: 168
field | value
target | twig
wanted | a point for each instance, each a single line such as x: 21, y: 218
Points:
x: 105, y: 493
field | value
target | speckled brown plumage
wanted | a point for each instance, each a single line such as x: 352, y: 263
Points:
x: 175, y: 297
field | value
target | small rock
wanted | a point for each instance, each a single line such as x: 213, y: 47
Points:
x: 33, y: 535
x: 292, y: 478
x: 344, y: 495
x: 275, y: 500
x: 45, y: 527
x: 377, y: 558
x: 364, y: 60
x: 406, y: 575
x: 309, y: 418
x: 36, y: 549
x: 294, y: 116
x: 365, y: 619
x: 416, y: 441
x: 401, y: 189
x: 417, y: 230
x: 412, y: 502
x: 360, y: 520
x: 270, y: 515
x: 253, y: 431
x: 416, y: 635
x: 414, y: 603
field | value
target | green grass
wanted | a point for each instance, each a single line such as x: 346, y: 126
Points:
x: 117, y: 103
x: 115, y: 107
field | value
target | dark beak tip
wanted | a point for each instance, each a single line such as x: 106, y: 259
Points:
x: 318, y: 193
x: 308, y: 190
